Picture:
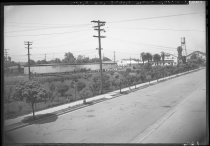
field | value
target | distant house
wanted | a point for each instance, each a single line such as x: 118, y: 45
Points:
x: 169, y: 59
x: 66, y: 67
x: 198, y: 53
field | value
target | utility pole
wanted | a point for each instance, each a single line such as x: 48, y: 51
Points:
x: 114, y: 56
x: 27, y: 43
x: 6, y: 54
x: 98, y: 28
x: 183, y: 44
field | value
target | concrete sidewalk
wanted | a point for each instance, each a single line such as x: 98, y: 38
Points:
x: 107, y: 95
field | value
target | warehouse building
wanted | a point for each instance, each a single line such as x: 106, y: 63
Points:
x: 62, y: 68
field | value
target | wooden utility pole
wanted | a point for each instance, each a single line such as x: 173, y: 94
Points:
x: 27, y: 43
x: 183, y: 45
x: 98, y: 28
x: 6, y: 54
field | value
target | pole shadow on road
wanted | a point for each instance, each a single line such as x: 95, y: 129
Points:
x: 40, y: 119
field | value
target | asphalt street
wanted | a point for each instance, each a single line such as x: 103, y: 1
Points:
x: 173, y: 111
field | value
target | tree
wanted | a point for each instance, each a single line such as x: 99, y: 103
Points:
x: 32, y: 91
x: 119, y: 81
x: 56, y: 60
x: 148, y: 56
x: 62, y: 88
x: 133, y: 79
x: 143, y: 57
x: 156, y: 58
x: 32, y: 62
x: 69, y: 58
x: 196, y: 59
x: 106, y: 59
x: 41, y: 62
x: 85, y: 93
x: 106, y: 82
x: 80, y: 85
x: 80, y: 59
x: 149, y: 77
x: 86, y: 60
x: 93, y: 60
x: 9, y: 59
x: 163, y: 57
x: 94, y: 85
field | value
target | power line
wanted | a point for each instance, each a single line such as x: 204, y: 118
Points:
x: 48, y: 28
x: 44, y: 24
x: 159, y: 46
x: 50, y: 33
x: 169, y: 29
x: 66, y: 44
x: 41, y: 54
x: 155, y: 17
x: 63, y: 52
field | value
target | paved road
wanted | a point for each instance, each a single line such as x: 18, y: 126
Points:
x: 124, y: 119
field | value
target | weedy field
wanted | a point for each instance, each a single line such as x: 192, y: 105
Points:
x: 65, y: 88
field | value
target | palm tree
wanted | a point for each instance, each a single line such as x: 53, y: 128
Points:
x: 143, y: 57
x: 163, y: 57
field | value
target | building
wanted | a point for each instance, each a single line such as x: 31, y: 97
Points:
x: 198, y: 53
x: 169, y: 59
x: 128, y: 62
x: 62, y: 68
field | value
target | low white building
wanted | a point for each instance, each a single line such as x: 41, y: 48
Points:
x: 169, y: 59
x: 61, y: 68
x: 127, y: 62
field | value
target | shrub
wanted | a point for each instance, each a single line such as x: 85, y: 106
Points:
x: 85, y: 93
x: 62, y: 88
x: 80, y: 86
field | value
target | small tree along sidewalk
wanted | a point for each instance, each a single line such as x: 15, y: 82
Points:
x: 32, y: 92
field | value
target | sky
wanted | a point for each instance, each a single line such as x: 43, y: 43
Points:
x: 129, y: 30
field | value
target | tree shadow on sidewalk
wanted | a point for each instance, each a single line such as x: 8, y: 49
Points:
x: 40, y: 119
